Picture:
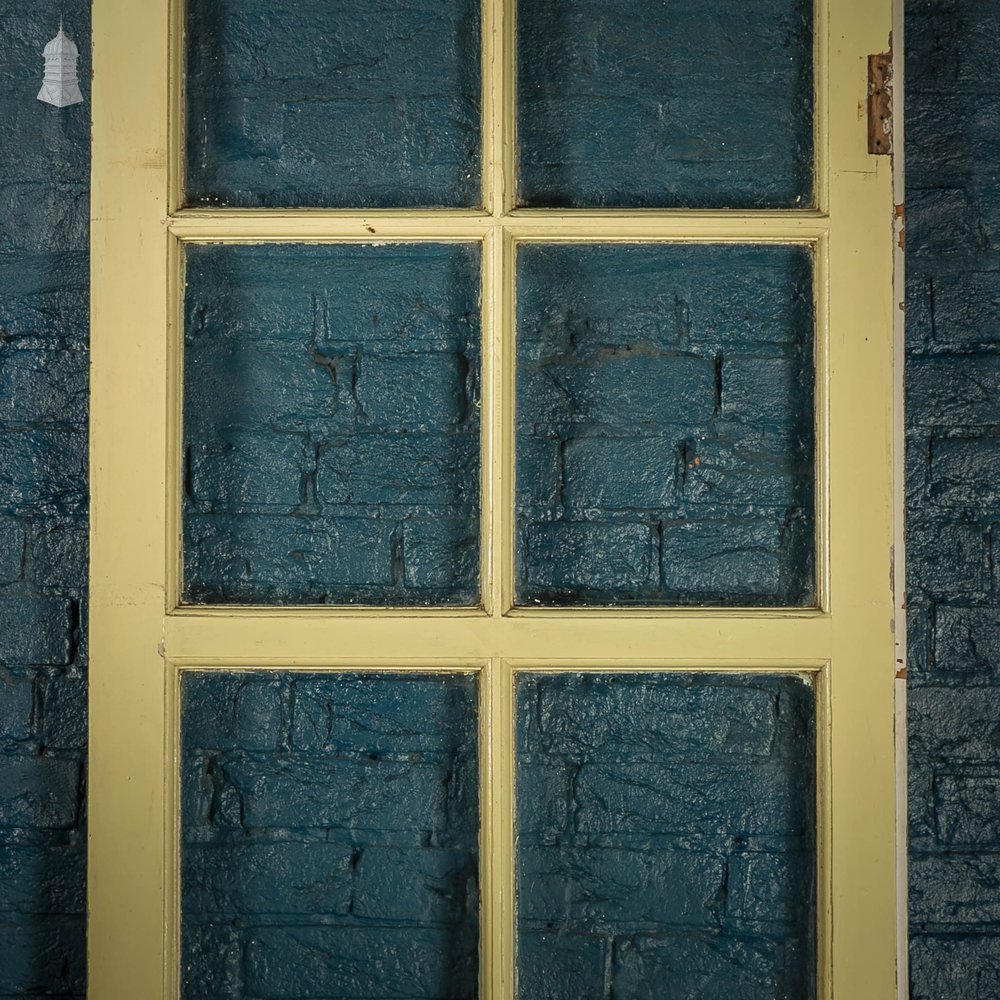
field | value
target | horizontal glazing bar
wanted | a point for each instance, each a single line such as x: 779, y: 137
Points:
x: 259, y: 226
x: 436, y: 640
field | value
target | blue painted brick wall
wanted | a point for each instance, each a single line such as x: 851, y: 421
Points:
x: 953, y: 495
x: 641, y: 103
x: 331, y: 424
x: 665, y: 833
x: 333, y: 102
x: 664, y: 425
x: 330, y: 836
x: 44, y: 163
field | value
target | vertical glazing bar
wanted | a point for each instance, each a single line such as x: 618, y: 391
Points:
x: 175, y: 107
x: 506, y: 415
x: 493, y: 106
x: 821, y: 417
x: 498, y: 860
x: 821, y: 103
x: 491, y: 556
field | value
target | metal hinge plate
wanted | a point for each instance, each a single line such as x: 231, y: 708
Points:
x: 880, y: 104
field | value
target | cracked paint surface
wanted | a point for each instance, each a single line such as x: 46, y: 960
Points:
x: 331, y: 424
x: 665, y: 835
x: 330, y: 837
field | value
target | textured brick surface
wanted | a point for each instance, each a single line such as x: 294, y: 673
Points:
x: 625, y: 103
x: 332, y: 425
x: 330, y: 837
x: 665, y: 834
x: 327, y: 102
x: 664, y: 425
x: 44, y: 162
x: 953, y: 471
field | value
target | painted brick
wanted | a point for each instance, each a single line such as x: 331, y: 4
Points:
x: 11, y: 550
x: 417, y: 886
x: 686, y: 722
x: 248, y: 472
x: 380, y: 962
x: 959, y: 968
x: 942, y: 224
x: 628, y: 388
x: 966, y: 640
x: 309, y: 878
x: 35, y: 630
x: 398, y: 84
x: 43, y: 386
x: 698, y: 566
x: 338, y: 385
x: 762, y: 887
x: 57, y: 553
x: 955, y: 724
x: 43, y: 471
x: 429, y: 469
x: 44, y: 957
x: 595, y: 889
x: 40, y: 792
x: 765, y: 390
x: 590, y: 86
x: 45, y: 300
x: 17, y: 703
x: 226, y: 712
x: 953, y: 391
x: 950, y: 558
x: 345, y: 713
x: 967, y: 808
x: 279, y: 560
x: 560, y: 966
x: 42, y: 880
x: 966, y: 305
x: 966, y: 471
x: 709, y: 968
x: 617, y: 474
x: 561, y: 558
x: 636, y: 796
x: 64, y: 713
x: 342, y: 793
x: 211, y: 962
x: 954, y: 890
x: 442, y: 555
x: 415, y: 394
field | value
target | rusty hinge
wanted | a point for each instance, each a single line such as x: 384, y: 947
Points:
x: 880, y: 104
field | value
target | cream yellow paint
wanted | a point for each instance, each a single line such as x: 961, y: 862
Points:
x: 141, y: 640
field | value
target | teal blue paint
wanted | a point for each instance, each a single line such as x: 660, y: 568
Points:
x: 331, y: 425
x: 665, y: 835
x: 665, y: 103
x: 953, y: 505
x: 333, y: 103
x: 44, y: 274
x: 330, y: 836
x: 665, y: 425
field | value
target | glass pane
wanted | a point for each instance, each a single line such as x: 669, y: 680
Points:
x: 329, y: 837
x: 665, y: 103
x: 665, y: 837
x: 329, y: 103
x: 665, y: 425
x: 331, y: 424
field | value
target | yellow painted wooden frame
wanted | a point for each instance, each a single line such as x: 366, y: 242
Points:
x: 142, y: 640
